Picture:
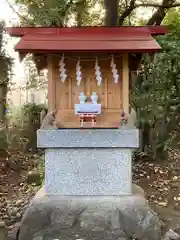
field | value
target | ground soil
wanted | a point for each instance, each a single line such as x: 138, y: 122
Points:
x: 160, y: 180
x: 161, y: 183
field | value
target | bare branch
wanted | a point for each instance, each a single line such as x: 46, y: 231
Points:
x: 127, y: 12
x: 158, y: 15
x: 111, y: 15
x: 157, y: 5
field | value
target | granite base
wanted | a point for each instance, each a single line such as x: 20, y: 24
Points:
x: 88, y: 171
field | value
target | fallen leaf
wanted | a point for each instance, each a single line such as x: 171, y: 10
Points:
x: 175, y: 178
x: 164, y: 204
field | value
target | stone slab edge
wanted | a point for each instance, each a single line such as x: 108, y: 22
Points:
x: 88, y: 138
x: 42, y: 193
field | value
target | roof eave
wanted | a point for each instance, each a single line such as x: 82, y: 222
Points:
x: 26, y: 51
x: 21, y: 31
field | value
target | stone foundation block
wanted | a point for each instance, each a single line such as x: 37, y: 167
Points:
x: 89, y: 218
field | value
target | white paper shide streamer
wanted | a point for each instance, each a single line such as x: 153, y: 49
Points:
x: 78, y: 73
x: 114, y: 70
x: 62, y: 69
x: 98, y: 73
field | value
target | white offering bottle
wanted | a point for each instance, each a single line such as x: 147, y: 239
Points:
x: 82, y: 98
x: 94, y: 98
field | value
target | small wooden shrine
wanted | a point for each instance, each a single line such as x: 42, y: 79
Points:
x: 89, y: 68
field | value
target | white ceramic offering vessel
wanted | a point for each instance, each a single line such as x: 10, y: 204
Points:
x: 82, y: 98
x: 94, y: 98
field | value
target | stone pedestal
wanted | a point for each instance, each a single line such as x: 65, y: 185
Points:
x: 87, y: 175
x: 93, y: 162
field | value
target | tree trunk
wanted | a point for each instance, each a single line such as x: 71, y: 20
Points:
x: 127, y: 12
x: 160, y: 13
x: 157, y: 17
x: 111, y: 12
x: 3, y: 139
x: 80, y: 8
x: 146, y: 136
x: 2, y: 102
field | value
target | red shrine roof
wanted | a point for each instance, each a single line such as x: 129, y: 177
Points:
x: 126, y: 39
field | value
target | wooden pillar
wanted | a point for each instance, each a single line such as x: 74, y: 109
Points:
x: 125, y: 83
x: 51, y: 85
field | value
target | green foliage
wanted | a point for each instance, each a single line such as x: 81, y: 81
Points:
x: 3, y: 140
x: 156, y: 96
x: 36, y: 80
x: 22, y: 134
x: 32, y: 111
x: 6, y: 62
x: 57, y: 12
x: 5, y: 74
x: 67, y: 12
x: 172, y: 18
x: 47, y: 13
x: 16, y: 141
x: 93, y: 13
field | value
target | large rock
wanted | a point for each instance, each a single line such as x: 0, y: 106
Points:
x: 33, y: 177
x: 3, y: 231
x: 89, y: 218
